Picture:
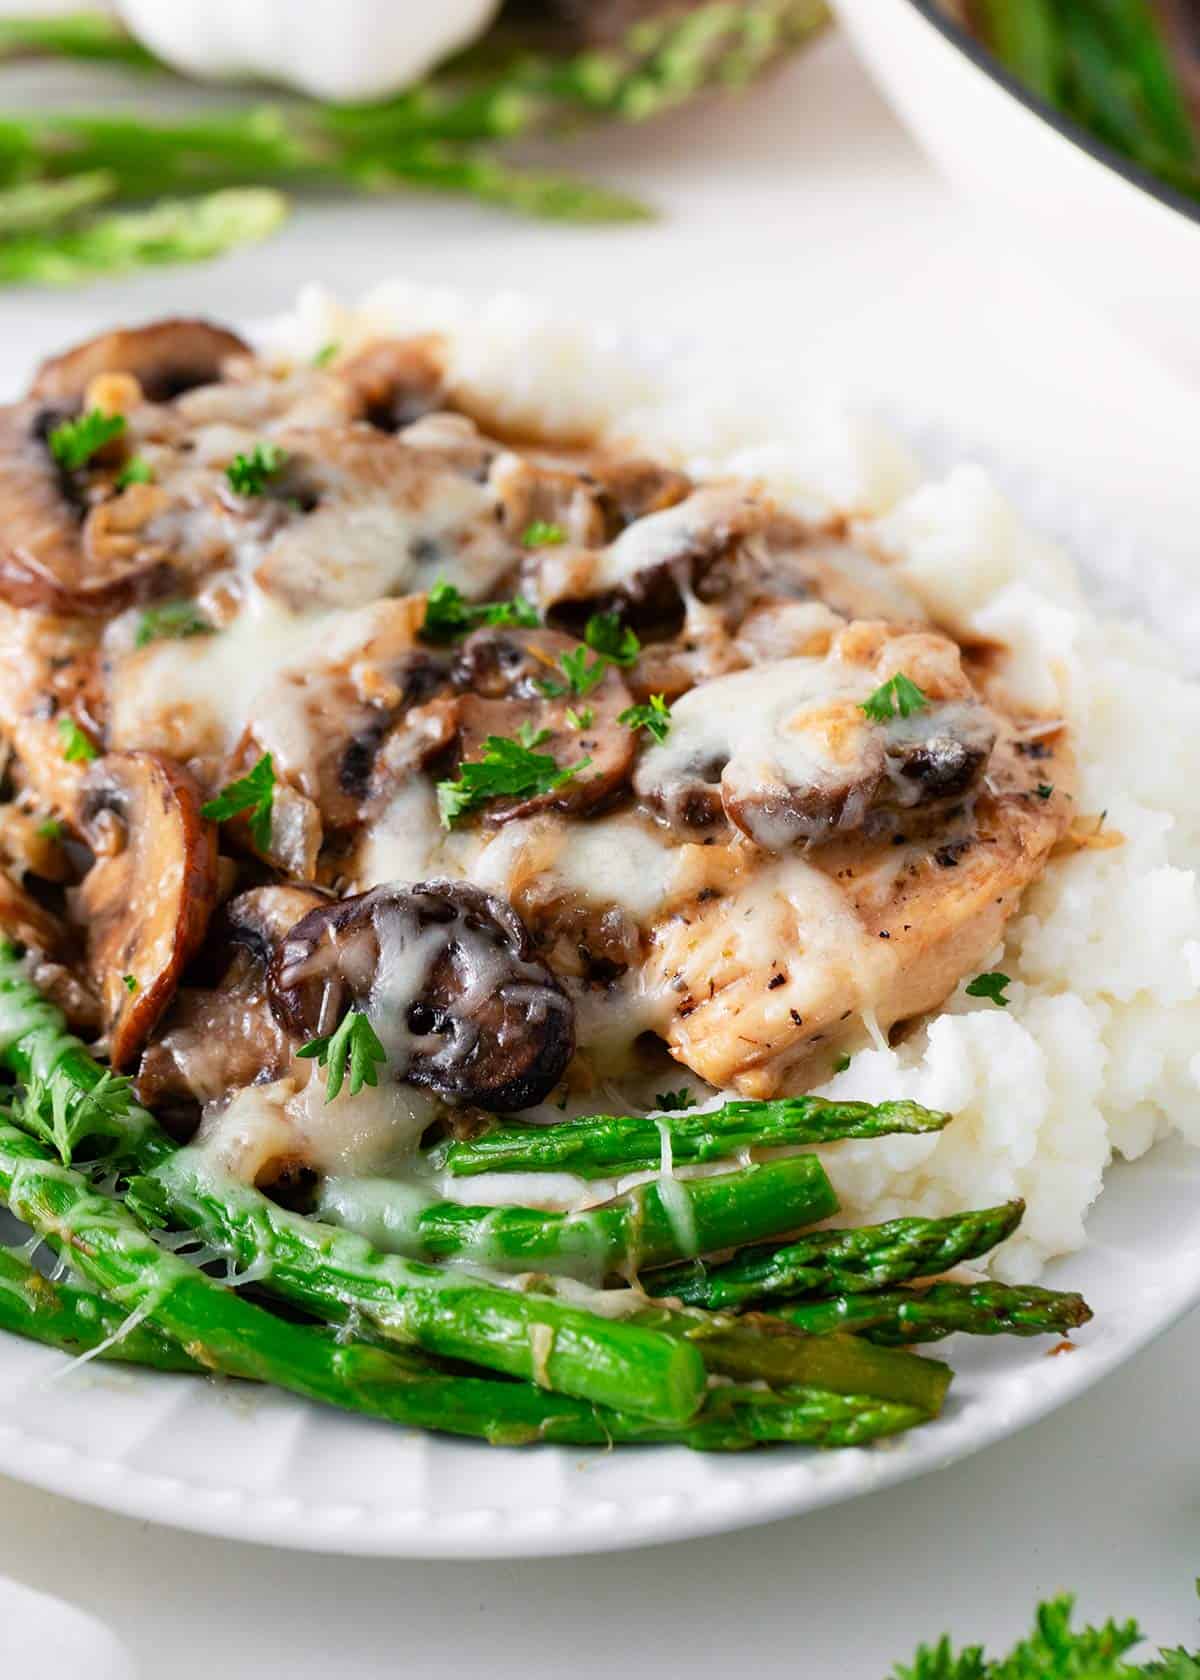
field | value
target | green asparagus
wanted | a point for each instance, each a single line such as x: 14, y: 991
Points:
x: 900, y: 1317
x: 608, y: 1145
x: 222, y: 1332
x: 836, y: 1262
x: 649, y: 1226
x: 79, y: 1320
x: 93, y: 36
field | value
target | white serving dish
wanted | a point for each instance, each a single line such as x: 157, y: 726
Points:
x: 1114, y: 233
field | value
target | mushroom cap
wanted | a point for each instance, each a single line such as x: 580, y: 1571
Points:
x: 165, y: 357
x: 147, y: 899
x: 449, y: 977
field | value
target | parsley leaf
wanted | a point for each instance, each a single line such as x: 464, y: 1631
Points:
x: 137, y: 470
x: 448, y: 616
x: 250, y: 474
x: 508, y: 769
x: 1044, y: 790
x: 49, y: 829
x: 77, y: 747
x: 656, y: 717
x: 581, y: 719
x: 326, y: 353
x: 670, y: 1102
x: 175, y: 619
x: 62, y: 1115
x: 74, y: 442
x: 605, y: 635
x: 898, y: 694
x: 990, y: 986
x: 581, y: 677
x: 254, y: 792
x: 542, y: 534
x: 354, y: 1040
x: 841, y: 1063
x: 130, y: 983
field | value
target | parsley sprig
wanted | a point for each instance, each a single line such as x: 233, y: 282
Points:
x: 898, y: 695
x: 508, y: 770
x: 611, y: 643
x: 582, y: 675
x: 173, y: 619
x: 255, y: 793
x: 653, y: 715
x: 77, y: 747
x: 74, y: 442
x: 250, y: 474
x: 137, y: 470
x: 541, y: 533
x: 354, y: 1044
x: 606, y: 635
x: 991, y: 986
x: 670, y: 1102
x: 448, y: 616
x: 62, y: 1115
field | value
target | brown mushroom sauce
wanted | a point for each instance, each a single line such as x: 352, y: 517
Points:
x: 630, y: 899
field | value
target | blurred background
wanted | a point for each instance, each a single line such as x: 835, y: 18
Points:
x: 981, y: 217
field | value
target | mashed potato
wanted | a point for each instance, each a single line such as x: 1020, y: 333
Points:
x: 1096, y: 1051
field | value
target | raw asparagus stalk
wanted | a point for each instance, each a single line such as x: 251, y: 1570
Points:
x: 841, y: 1262
x: 901, y: 1317
x: 79, y: 1320
x: 608, y: 1145
x: 189, y: 230
x: 224, y: 1333
x: 649, y: 1226
x: 336, y: 1273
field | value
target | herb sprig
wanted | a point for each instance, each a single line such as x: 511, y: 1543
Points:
x: 354, y: 1043
x: 77, y: 747
x: 898, y: 695
x: 254, y: 793
x: 448, y: 616
x: 74, y: 442
x: 653, y: 715
x: 508, y: 770
x: 250, y: 474
x: 611, y: 643
x: 171, y: 620
x: 672, y: 1102
x: 992, y: 986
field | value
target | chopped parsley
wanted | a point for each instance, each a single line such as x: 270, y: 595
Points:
x: 581, y: 719
x: 326, y: 353
x: 354, y: 1042
x: 448, y: 616
x: 991, y: 986
x: 898, y: 695
x: 137, y: 470
x: 129, y: 981
x: 255, y: 793
x: 77, y: 747
x: 606, y: 635
x: 654, y: 716
x: 173, y: 619
x: 250, y: 474
x: 1044, y: 790
x: 670, y: 1102
x: 508, y: 770
x: 581, y: 676
x: 62, y: 1115
x: 74, y: 442
x: 49, y: 829
x: 841, y: 1063
x: 542, y: 534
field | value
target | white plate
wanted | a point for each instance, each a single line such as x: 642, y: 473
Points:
x: 229, y: 1460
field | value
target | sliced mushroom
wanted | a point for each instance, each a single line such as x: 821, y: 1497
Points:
x: 630, y: 488
x: 501, y: 671
x: 220, y: 1038
x: 787, y: 752
x: 165, y: 357
x: 394, y: 381
x: 448, y: 976
x: 147, y: 899
x: 533, y: 495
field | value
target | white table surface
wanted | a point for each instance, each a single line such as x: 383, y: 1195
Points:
x: 802, y: 223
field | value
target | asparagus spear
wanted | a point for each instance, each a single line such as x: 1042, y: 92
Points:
x: 222, y: 1332
x: 898, y: 1317
x: 649, y: 1226
x: 85, y: 35
x: 835, y: 1262
x: 336, y: 1273
x: 186, y: 231
x: 608, y: 1145
x: 79, y: 1320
